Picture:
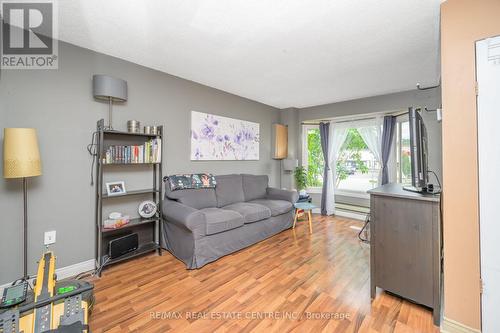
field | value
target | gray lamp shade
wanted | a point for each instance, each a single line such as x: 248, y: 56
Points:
x: 106, y: 87
x: 290, y: 164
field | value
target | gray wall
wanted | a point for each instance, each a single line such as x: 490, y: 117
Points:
x: 290, y: 118
x: 60, y: 105
x: 392, y: 102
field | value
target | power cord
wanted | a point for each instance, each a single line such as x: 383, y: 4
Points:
x: 364, y: 229
x: 437, y: 179
x: 92, y: 149
x: 98, y: 271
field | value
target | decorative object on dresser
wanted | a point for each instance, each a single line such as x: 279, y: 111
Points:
x: 111, y: 90
x: 21, y: 159
x: 123, y: 149
x: 221, y: 138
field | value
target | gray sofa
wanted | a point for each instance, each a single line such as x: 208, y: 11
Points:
x: 202, y: 225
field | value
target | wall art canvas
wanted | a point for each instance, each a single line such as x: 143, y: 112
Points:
x: 221, y: 138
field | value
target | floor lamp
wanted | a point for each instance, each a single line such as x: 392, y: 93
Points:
x: 21, y: 159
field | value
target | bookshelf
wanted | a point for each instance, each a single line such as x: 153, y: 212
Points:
x: 126, y: 151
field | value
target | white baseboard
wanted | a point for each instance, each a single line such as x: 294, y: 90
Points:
x: 68, y: 271
x: 452, y: 326
x: 351, y: 215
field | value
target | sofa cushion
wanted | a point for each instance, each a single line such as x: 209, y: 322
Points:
x: 229, y: 190
x: 191, y: 180
x: 251, y: 212
x: 254, y: 187
x: 219, y: 220
x: 277, y: 207
x: 195, y: 198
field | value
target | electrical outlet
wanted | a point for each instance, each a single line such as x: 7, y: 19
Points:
x: 49, y: 237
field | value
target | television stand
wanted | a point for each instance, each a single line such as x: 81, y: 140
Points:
x: 406, y: 246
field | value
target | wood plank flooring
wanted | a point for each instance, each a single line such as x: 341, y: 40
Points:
x: 292, y: 282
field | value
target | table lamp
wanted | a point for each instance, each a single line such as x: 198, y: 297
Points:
x: 21, y: 159
x: 111, y: 90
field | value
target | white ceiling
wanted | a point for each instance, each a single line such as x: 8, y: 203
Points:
x: 284, y: 53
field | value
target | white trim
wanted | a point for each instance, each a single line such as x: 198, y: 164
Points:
x: 350, y: 215
x: 305, y: 151
x: 353, y: 194
x: 452, y: 326
x: 314, y: 190
x: 68, y: 271
x: 360, y: 116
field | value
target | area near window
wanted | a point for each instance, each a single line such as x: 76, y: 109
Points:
x: 403, y: 157
x: 312, y: 157
x: 357, y: 168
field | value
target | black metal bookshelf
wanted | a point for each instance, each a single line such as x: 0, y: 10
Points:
x: 148, y: 229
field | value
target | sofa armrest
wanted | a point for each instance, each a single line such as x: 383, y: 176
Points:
x: 278, y: 194
x: 184, y: 216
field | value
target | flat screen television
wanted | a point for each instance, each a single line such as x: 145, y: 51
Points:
x: 418, y: 152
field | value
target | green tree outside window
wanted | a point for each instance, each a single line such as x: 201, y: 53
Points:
x: 350, y: 157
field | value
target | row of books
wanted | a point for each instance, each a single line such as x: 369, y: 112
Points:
x: 149, y: 152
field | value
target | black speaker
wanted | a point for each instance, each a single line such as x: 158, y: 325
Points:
x: 122, y: 245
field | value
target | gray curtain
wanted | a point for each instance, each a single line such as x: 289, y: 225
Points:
x: 324, y: 132
x: 387, y: 136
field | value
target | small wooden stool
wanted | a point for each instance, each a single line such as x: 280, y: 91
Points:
x: 306, y: 207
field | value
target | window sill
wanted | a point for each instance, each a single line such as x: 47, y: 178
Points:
x: 314, y: 190
x: 353, y: 194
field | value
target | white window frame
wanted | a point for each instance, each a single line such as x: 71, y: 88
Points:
x: 397, y: 145
x: 305, y: 153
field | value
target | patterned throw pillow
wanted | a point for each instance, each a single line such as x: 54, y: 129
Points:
x: 190, y: 181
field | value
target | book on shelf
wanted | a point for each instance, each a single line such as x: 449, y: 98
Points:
x: 149, y: 152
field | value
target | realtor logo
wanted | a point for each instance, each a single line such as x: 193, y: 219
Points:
x: 29, y: 39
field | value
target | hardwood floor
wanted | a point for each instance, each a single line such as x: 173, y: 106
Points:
x: 292, y: 282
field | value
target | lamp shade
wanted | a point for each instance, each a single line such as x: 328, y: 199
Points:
x: 290, y: 164
x: 280, y: 141
x: 21, y: 157
x: 106, y: 87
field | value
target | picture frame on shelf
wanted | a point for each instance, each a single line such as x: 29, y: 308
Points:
x: 116, y: 188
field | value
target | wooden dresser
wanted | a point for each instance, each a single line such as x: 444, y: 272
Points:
x: 406, y: 245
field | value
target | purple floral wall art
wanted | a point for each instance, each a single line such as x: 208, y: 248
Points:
x: 221, y: 138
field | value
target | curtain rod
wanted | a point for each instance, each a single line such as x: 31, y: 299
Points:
x: 349, y: 120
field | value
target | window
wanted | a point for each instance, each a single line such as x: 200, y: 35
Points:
x: 312, y: 156
x: 357, y: 167
x: 403, y: 156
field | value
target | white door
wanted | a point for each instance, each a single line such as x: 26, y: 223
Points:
x: 488, y: 114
